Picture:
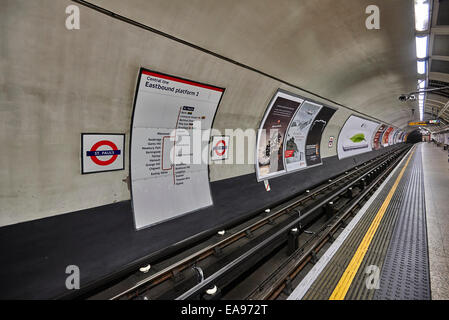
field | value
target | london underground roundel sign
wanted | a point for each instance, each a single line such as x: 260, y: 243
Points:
x: 102, y: 152
x: 220, y: 148
x: 112, y: 153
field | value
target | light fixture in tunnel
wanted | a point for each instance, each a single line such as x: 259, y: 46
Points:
x: 421, y: 47
x: 421, y: 106
x: 422, y: 13
x: 421, y: 66
x: 421, y: 84
x: 422, y: 18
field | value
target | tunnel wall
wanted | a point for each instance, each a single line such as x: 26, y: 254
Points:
x: 57, y: 84
x: 101, y: 241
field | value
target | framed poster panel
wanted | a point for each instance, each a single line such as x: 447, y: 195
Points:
x: 289, y: 135
x: 377, y: 141
x: 356, y: 136
x: 102, y: 152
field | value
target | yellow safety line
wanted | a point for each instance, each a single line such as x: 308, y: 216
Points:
x: 343, y: 285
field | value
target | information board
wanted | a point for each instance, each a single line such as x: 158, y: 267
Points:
x: 313, y: 152
x: 356, y: 137
x: 295, y: 147
x: 168, y: 176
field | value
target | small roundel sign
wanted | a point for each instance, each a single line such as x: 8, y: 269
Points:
x: 102, y: 152
x: 220, y: 148
x: 97, y: 155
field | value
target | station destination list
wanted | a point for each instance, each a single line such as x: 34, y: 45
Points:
x: 165, y: 179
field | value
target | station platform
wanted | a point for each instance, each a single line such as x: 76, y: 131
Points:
x: 394, y: 248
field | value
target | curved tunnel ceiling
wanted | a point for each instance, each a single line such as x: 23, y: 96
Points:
x: 321, y: 46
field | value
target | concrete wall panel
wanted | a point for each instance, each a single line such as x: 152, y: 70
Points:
x: 56, y: 84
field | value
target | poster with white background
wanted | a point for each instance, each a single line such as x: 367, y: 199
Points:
x: 356, y: 137
x: 166, y: 110
x: 271, y: 136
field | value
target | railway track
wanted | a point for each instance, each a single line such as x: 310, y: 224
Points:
x: 279, y: 282
x: 202, y: 272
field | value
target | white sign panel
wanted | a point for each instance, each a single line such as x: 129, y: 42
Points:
x: 102, y: 152
x: 356, y: 137
x: 168, y: 176
x: 220, y: 148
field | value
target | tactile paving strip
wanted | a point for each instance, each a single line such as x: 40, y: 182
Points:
x: 377, y: 251
x: 405, y: 272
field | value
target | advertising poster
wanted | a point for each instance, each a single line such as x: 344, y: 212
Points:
x: 290, y: 135
x: 270, y: 140
x: 377, y: 143
x: 391, y: 137
x: 356, y: 137
x: 399, y: 137
x: 166, y: 181
x: 386, y: 136
x: 313, y: 152
x: 396, y: 136
x: 295, y: 147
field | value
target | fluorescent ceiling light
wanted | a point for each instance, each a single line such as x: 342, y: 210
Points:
x: 421, y: 84
x: 422, y: 18
x: 421, y: 47
x: 422, y: 11
x: 421, y: 105
x: 421, y: 66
